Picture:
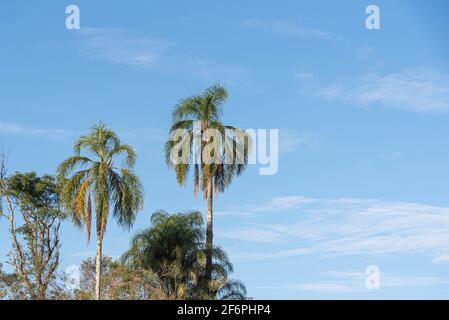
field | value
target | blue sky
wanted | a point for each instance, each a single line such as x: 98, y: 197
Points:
x: 363, y: 171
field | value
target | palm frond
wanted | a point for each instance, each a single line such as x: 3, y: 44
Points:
x: 187, y: 108
x: 232, y: 290
x: 126, y: 195
x: 128, y: 151
x: 69, y: 165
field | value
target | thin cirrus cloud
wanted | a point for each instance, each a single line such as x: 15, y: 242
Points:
x: 392, y: 156
x: 287, y: 29
x: 256, y: 235
x: 291, y: 141
x: 423, y: 89
x: 444, y: 258
x: 12, y: 128
x: 277, y: 204
x: 304, y: 76
x: 136, y: 135
x: 120, y: 46
x: 341, y: 226
x: 354, y: 282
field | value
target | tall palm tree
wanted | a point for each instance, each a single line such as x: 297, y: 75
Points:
x: 100, y: 183
x: 195, y: 116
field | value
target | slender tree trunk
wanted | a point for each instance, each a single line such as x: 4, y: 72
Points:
x: 42, y: 292
x: 209, y: 230
x: 98, y: 267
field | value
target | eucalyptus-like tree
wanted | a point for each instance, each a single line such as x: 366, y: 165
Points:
x: 96, y: 180
x: 200, y: 116
x: 34, y: 217
x: 118, y: 281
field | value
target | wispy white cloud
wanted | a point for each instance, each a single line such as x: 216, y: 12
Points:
x: 290, y: 141
x: 354, y: 282
x: 255, y: 234
x: 120, y: 46
x: 12, y: 128
x: 387, y: 280
x: 304, y: 76
x: 444, y: 258
x: 136, y: 135
x: 422, y: 89
x: 147, y: 134
x: 323, y: 287
x: 364, y: 53
x: 277, y: 204
x: 346, y: 226
x: 287, y: 29
x: 392, y: 156
x: 283, y: 203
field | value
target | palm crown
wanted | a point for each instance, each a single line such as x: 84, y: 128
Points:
x: 100, y: 182
x: 206, y: 110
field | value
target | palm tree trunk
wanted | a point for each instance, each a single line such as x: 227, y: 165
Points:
x: 98, y: 267
x: 209, y: 230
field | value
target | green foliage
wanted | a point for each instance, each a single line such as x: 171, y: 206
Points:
x: 198, y: 117
x: 170, y: 260
x: 34, y: 193
x: 119, y: 282
x: 11, y: 288
x: 100, y: 182
x: 174, y: 249
x: 207, y: 109
x: 169, y: 241
x: 37, y: 199
x: 35, y: 251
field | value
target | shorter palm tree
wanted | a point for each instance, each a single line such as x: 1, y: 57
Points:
x: 174, y: 249
x: 102, y: 184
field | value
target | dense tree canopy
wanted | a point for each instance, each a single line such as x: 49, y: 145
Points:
x: 174, y: 248
x: 35, y: 236
x: 172, y: 259
x: 119, y: 282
